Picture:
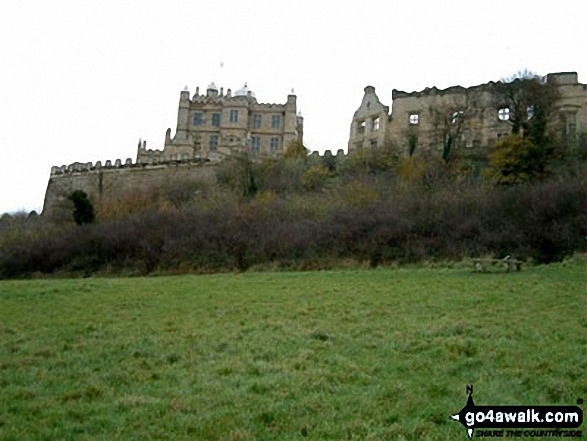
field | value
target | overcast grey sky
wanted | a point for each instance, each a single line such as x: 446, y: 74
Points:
x: 84, y: 80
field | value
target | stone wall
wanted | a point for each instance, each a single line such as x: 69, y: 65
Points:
x: 116, y: 180
x: 470, y: 118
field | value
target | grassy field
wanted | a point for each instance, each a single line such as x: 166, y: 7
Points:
x: 365, y: 354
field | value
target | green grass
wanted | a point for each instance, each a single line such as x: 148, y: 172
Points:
x: 368, y: 354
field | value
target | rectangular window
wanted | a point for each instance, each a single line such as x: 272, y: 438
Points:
x: 361, y: 128
x: 198, y: 119
x: 234, y: 116
x: 275, y: 121
x: 374, y: 143
x: 503, y: 114
x: 257, y: 121
x: 376, y: 124
x: 414, y: 118
x: 216, y: 119
x: 255, y: 144
x: 213, y: 143
x: 274, y: 144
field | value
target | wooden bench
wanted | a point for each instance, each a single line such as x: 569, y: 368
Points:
x: 507, y: 263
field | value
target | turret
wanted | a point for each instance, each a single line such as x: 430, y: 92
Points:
x: 212, y: 90
x: 182, y: 115
x: 291, y: 120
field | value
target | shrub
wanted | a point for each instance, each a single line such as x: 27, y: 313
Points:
x: 83, y: 209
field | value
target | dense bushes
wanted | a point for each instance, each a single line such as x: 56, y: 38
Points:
x: 545, y: 221
x: 311, y: 212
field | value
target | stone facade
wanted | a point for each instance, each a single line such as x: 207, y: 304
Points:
x: 472, y: 118
x: 214, y: 125
x: 110, y: 181
x: 209, y: 127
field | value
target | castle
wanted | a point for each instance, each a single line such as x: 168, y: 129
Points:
x: 467, y: 120
x: 214, y: 125
x: 209, y: 127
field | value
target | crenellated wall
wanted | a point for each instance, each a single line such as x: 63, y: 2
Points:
x: 114, y: 180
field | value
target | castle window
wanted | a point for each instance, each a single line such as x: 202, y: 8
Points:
x: 361, y: 128
x: 503, y: 114
x: 571, y: 123
x: 255, y: 144
x: 234, y: 116
x: 216, y: 119
x: 414, y: 118
x: 376, y: 124
x: 257, y: 121
x: 274, y: 144
x: 275, y: 121
x: 198, y: 119
x: 374, y: 143
x: 213, y: 143
x: 456, y: 116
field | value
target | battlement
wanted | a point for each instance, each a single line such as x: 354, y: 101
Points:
x: 145, y: 163
x: 326, y: 153
x: 449, y: 90
x: 560, y: 78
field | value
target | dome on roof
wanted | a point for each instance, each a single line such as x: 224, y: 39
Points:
x: 243, y: 91
x: 212, y: 86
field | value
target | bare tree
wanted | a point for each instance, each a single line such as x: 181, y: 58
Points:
x: 450, y: 120
x: 530, y: 102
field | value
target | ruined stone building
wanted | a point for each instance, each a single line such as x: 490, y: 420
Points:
x: 469, y: 120
x: 216, y: 124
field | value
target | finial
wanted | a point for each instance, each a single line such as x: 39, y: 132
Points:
x: 292, y: 91
x: 185, y: 89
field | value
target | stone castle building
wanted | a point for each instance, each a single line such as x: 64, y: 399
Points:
x: 214, y: 125
x: 209, y: 127
x: 470, y: 120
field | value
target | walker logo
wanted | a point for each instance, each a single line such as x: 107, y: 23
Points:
x: 510, y: 419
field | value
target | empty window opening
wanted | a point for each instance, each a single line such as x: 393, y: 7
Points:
x: 376, y: 124
x: 457, y: 116
x: 530, y: 112
x: 361, y: 128
x: 414, y: 118
x: 504, y: 114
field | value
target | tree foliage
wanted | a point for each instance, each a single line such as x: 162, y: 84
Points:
x: 517, y: 159
x: 83, y: 209
x: 531, y: 103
